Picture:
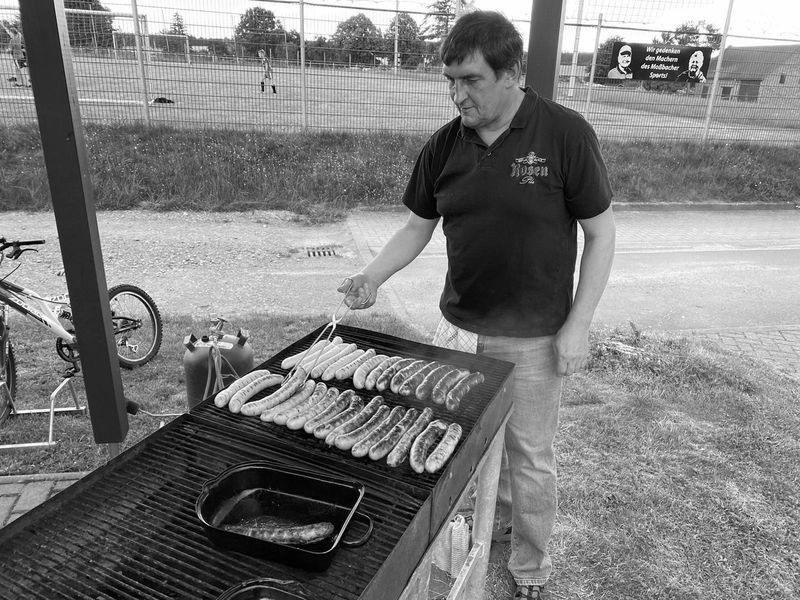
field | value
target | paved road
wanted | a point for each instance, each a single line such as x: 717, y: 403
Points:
x: 733, y: 277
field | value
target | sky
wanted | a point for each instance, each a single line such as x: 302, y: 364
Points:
x: 778, y: 20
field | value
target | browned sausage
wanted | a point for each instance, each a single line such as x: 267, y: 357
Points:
x: 317, y: 406
x: 288, y: 410
x: 425, y: 389
x: 400, y: 451
x: 454, y: 396
x: 409, y: 386
x: 370, y: 433
x: 385, y: 445
x: 444, y: 449
x: 386, y: 377
x: 339, y: 403
x: 446, y: 383
x: 403, y: 374
x: 346, y: 440
x: 375, y: 373
x: 297, y: 535
x: 423, y: 443
x: 322, y: 430
x: 354, y: 422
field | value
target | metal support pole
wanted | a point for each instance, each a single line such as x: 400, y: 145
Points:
x: 61, y: 131
x: 575, y: 49
x: 714, y: 84
x: 137, y: 40
x: 303, y: 100
x: 594, y: 65
x: 396, y: 34
x: 544, y: 46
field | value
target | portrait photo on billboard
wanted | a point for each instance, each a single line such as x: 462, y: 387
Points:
x: 659, y: 62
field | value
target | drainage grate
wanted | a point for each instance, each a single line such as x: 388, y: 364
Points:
x: 320, y: 251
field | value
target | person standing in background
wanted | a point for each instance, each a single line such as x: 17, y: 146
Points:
x: 17, y: 49
x: 266, y: 64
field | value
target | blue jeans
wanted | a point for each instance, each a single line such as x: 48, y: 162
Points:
x: 527, y: 495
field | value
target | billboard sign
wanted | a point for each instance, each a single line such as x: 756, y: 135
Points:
x: 659, y: 62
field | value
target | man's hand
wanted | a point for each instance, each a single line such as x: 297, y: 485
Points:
x: 571, y: 346
x: 359, y: 291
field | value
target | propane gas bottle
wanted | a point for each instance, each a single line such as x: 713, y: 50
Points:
x: 229, y: 355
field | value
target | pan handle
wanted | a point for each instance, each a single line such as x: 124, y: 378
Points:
x: 359, y: 516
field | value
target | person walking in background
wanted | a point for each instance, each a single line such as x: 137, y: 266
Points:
x: 266, y: 64
x: 16, y: 47
x: 511, y: 178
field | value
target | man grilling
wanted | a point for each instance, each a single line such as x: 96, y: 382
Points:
x: 511, y: 178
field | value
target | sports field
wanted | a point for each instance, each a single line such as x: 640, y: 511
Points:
x: 228, y: 95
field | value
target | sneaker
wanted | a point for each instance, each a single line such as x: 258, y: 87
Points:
x: 529, y: 592
x: 502, y: 535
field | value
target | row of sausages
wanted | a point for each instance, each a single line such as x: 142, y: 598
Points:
x: 344, y: 420
x: 427, y: 380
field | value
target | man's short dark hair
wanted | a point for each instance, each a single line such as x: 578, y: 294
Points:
x: 487, y: 32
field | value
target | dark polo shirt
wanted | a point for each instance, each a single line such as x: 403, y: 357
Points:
x: 509, y: 215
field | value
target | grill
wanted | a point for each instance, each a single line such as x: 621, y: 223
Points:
x: 129, y: 531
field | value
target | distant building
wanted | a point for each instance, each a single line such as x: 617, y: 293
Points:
x: 758, y: 73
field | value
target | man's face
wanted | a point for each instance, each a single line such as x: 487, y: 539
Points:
x: 695, y: 62
x: 480, y: 96
x: 624, y: 58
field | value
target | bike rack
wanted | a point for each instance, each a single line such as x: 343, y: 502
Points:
x: 66, y: 383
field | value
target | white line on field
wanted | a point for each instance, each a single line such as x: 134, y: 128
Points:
x: 84, y: 100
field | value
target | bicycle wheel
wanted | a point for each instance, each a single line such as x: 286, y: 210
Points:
x: 137, y: 325
x: 8, y: 374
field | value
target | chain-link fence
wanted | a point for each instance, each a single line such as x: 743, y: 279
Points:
x: 198, y: 64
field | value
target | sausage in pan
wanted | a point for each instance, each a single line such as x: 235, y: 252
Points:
x: 444, y: 449
x: 374, y: 430
x: 461, y: 389
x: 372, y: 376
x: 354, y: 422
x: 400, y: 451
x: 423, y: 443
x: 297, y: 535
x: 385, y: 445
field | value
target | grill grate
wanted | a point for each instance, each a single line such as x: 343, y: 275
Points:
x: 129, y: 530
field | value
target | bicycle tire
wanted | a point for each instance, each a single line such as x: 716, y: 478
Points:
x: 137, y: 324
x: 9, y: 375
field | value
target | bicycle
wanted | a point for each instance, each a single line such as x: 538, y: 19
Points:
x: 136, y: 322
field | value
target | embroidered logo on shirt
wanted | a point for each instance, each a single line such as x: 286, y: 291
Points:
x: 528, y: 168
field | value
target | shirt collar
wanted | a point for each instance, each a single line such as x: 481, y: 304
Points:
x: 519, y: 121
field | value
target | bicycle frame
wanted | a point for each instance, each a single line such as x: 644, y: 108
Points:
x: 36, y: 308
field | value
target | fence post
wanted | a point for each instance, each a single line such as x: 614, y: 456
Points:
x: 594, y: 65
x: 303, y: 99
x: 137, y: 32
x: 571, y: 90
x: 713, y: 93
x: 544, y: 46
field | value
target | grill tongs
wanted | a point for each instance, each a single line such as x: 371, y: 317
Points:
x: 330, y: 327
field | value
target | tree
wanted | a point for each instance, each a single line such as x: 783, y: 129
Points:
x: 258, y: 29
x: 93, y: 31
x: 167, y: 44
x: 436, y: 25
x: 409, y: 44
x: 177, y: 26
x: 358, y: 36
x: 699, y: 33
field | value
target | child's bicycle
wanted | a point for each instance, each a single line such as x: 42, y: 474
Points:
x: 136, y: 323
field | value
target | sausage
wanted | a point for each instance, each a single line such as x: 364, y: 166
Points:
x: 354, y: 422
x: 400, y: 451
x: 446, y: 383
x: 316, y: 348
x: 238, y: 399
x: 310, y: 361
x: 386, y: 377
x: 297, y: 535
x: 423, y: 443
x: 366, y: 367
x: 346, y: 440
x: 302, y: 394
x: 223, y: 396
x: 350, y: 368
x: 454, y: 396
x: 328, y: 403
x: 444, y: 449
x: 403, y: 374
x: 425, y: 389
x: 324, y: 427
x: 409, y: 386
x: 330, y: 372
x: 328, y: 359
x: 318, y: 393
x: 294, y: 383
x: 372, y: 376
x: 374, y: 430
x: 385, y: 445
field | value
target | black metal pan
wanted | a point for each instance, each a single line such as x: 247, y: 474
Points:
x: 244, y: 505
